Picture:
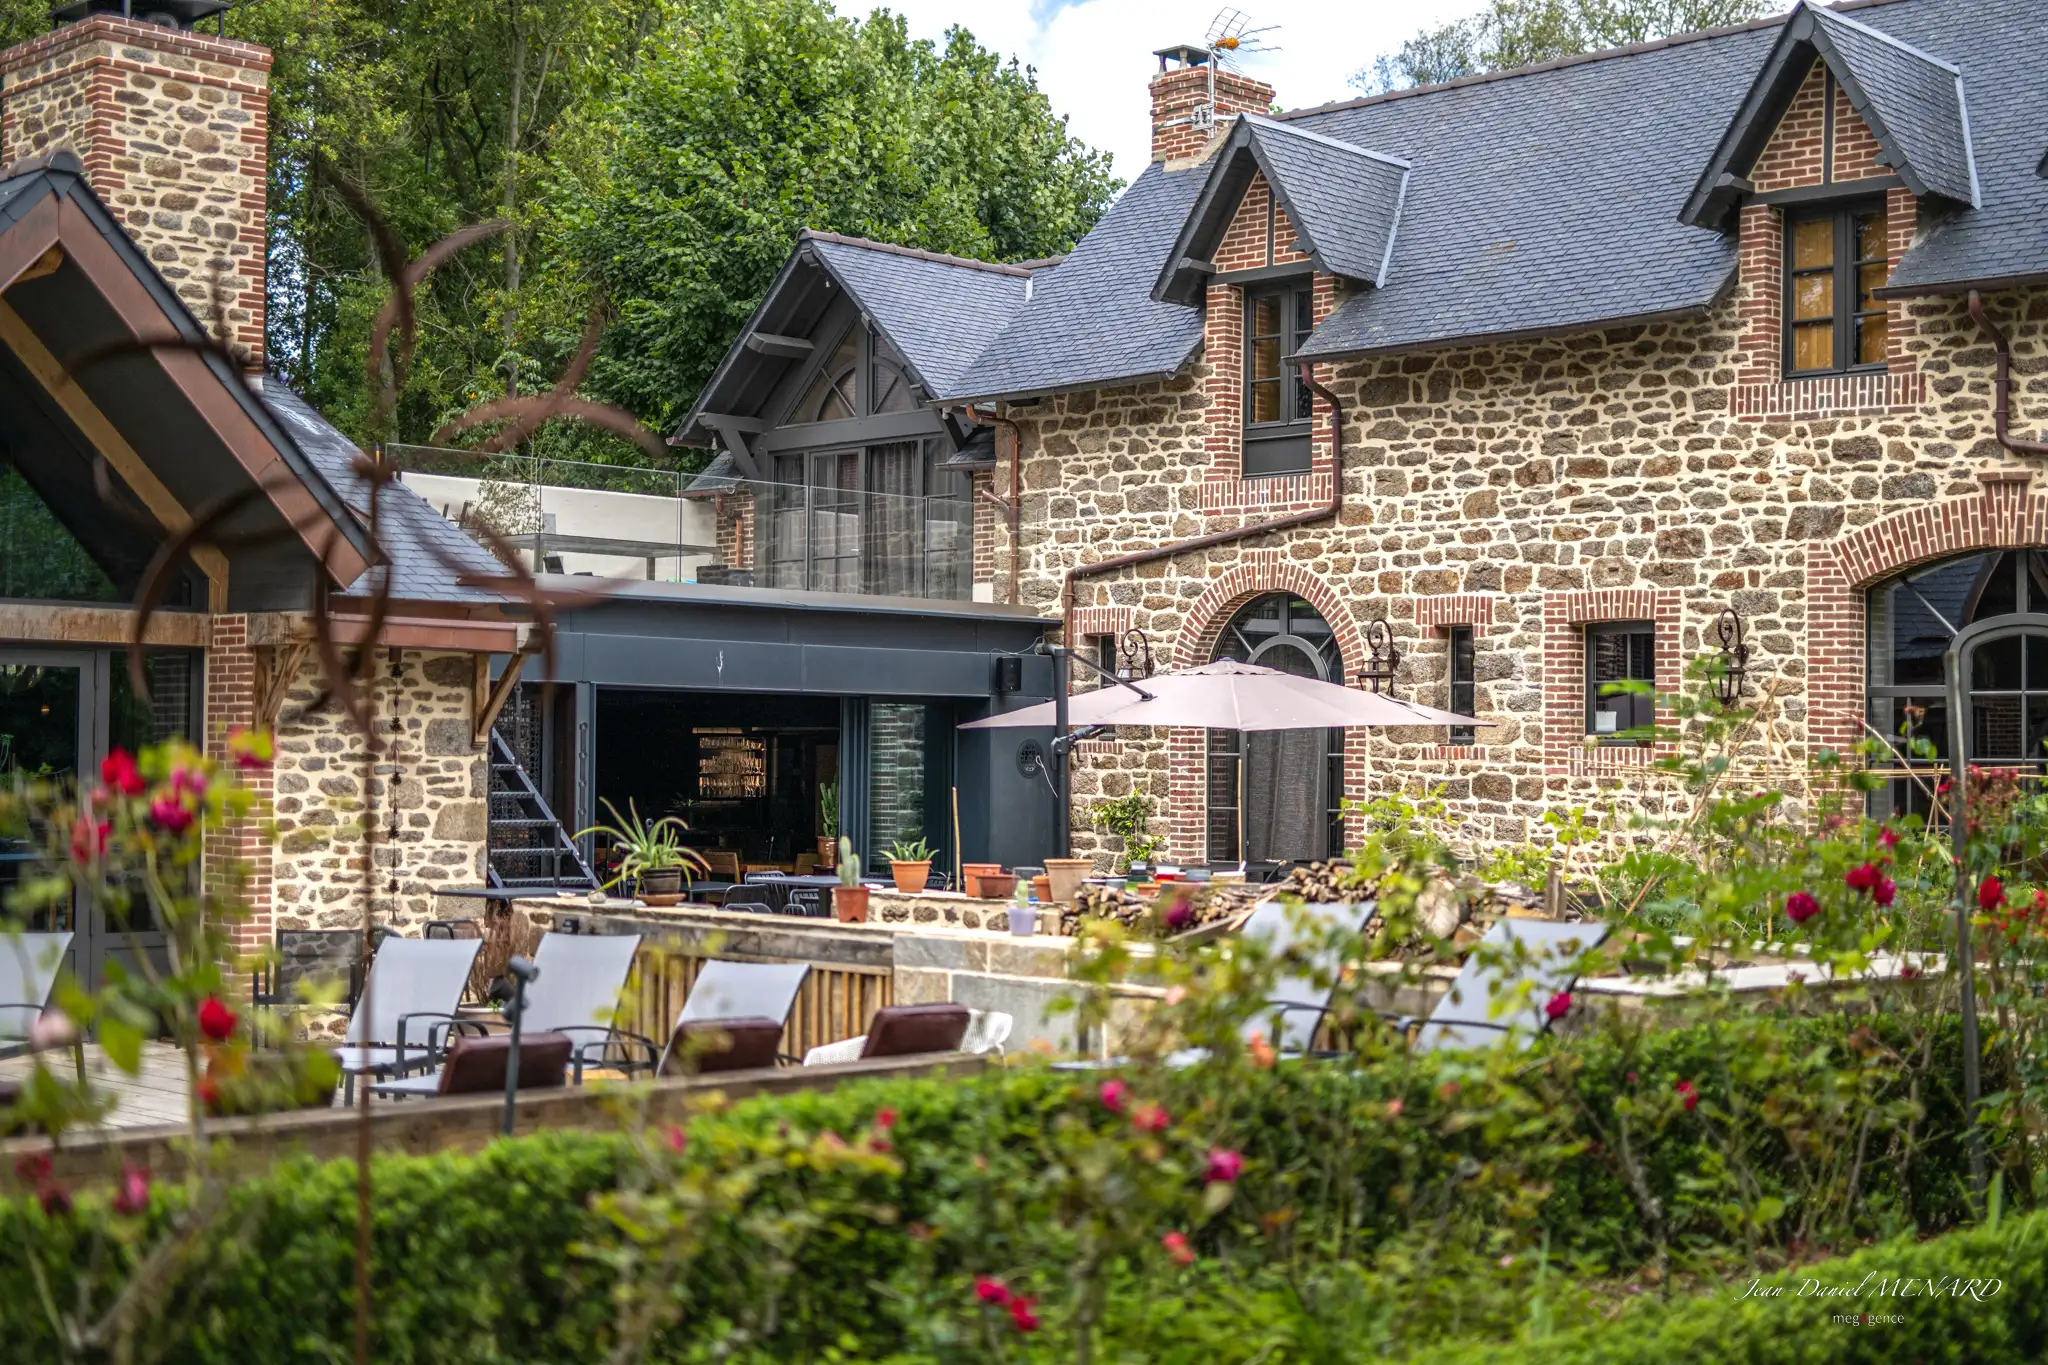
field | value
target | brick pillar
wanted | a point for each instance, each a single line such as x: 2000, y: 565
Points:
x: 173, y: 128
x: 231, y: 706
x: 1182, y: 116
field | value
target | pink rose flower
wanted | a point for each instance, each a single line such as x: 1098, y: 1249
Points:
x: 1800, y: 907
x: 1224, y: 1167
x: 1558, y: 1006
x: 1114, y: 1094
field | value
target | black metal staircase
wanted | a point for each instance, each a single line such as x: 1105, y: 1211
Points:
x: 528, y: 846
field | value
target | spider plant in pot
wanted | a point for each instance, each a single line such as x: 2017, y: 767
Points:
x: 653, y: 856
x: 910, y: 863
x: 828, y: 821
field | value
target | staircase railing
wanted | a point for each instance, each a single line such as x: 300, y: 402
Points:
x: 527, y: 845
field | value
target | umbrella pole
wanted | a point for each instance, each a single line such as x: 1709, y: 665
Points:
x: 1243, y: 853
x: 1062, y: 676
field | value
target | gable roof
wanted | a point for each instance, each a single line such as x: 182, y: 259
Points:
x: 1095, y: 323
x: 1343, y: 200
x: 938, y: 311
x: 1913, y: 103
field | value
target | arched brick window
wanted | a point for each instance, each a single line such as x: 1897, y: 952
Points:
x: 1913, y: 617
x: 1282, y: 790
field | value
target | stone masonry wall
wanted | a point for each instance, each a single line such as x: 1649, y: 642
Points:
x: 429, y: 784
x: 1539, y: 486
x: 173, y: 128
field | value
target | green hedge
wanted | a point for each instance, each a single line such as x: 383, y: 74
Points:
x: 474, y: 1262
x: 1799, y: 1327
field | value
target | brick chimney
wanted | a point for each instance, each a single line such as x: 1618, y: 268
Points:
x: 1183, y: 115
x: 173, y: 128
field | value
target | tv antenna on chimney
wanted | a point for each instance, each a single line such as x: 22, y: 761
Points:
x: 1231, y: 38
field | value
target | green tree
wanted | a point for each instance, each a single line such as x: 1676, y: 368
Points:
x: 1513, y: 33
x: 747, y: 120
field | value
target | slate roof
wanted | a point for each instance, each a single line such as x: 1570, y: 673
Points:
x: 426, y: 551
x: 938, y: 311
x: 1914, y: 103
x: 1094, y: 323
x: 1344, y: 198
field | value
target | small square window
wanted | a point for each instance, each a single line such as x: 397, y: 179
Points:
x: 1835, y: 262
x: 1619, y: 654
x: 1464, y: 682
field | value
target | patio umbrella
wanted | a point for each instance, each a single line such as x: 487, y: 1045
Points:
x: 1228, y: 695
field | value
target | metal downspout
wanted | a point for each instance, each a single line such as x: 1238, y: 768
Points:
x: 1214, y: 538
x: 2001, y: 388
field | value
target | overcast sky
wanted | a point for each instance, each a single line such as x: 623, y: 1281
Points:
x: 1094, y: 56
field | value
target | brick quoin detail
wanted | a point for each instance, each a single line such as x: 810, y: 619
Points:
x: 173, y: 130
x: 2006, y: 516
x: 1261, y: 572
x: 1454, y: 609
x: 231, y: 706
x: 1565, y: 618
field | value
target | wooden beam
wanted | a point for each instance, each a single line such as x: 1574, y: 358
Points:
x: 498, y: 693
x: 49, y: 263
x: 108, y: 441
x: 782, y: 347
x: 28, y: 244
x: 277, y: 667
x: 70, y: 625
x: 455, y: 633
x: 738, y: 442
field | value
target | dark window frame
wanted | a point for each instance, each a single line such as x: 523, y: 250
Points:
x: 1463, y: 672
x: 1846, y: 267
x: 1286, y: 446
x: 1634, y: 712
x: 793, y: 548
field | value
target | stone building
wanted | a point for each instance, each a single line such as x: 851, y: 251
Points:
x: 1546, y: 371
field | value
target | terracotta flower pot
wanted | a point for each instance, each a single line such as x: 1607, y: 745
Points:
x: 1067, y: 874
x: 850, y: 904
x: 1041, y: 887
x: 828, y: 851
x: 971, y: 875
x: 910, y: 877
x: 998, y: 886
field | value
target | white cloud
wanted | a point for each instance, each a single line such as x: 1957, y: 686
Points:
x: 1095, y: 56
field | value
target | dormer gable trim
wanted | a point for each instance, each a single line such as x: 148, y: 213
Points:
x: 1913, y: 103
x: 1344, y: 202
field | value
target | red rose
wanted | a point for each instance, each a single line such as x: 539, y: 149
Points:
x: 131, y: 1196
x: 1885, y: 892
x: 34, y: 1168
x: 1558, y: 1006
x: 1176, y: 1244
x: 170, y: 815
x: 1151, y: 1118
x: 990, y: 1290
x: 1862, y: 878
x: 1888, y: 837
x: 209, y: 1092
x: 885, y: 1118
x: 678, y: 1141
x: 1688, y: 1096
x: 1021, y: 1314
x: 56, y: 1200
x: 1114, y: 1095
x: 89, y: 839
x: 1800, y: 906
x: 1224, y: 1167
x: 1990, y: 894
x: 216, y: 1020
x: 118, y: 771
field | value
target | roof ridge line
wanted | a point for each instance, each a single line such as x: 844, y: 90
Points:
x: 915, y: 253
x: 1886, y: 38
x: 1561, y: 63
x: 1260, y: 120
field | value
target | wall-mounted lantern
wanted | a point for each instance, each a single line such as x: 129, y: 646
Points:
x: 1383, y: 658
x: 1734, y: 658
x: 1135, y: 652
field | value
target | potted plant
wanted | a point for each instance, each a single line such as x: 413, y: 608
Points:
x: 828, y: 820
x: 1128, y: 817
x: 850, y: 897
x: 652, y: 854
x: 910, y: 863
x: 971, y: 875
x: 1066, y: 875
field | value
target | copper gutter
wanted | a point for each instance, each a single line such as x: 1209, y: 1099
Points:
x: 2001, y: 387
x: 1214, y: 538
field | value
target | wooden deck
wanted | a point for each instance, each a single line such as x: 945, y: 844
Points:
x: 154, y: 1096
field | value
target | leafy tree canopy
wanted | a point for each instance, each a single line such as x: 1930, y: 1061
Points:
x: 1512, y: 33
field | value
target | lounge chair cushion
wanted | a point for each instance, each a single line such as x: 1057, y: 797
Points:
x: 477, y: 1065
x: 908, y: 1030
x: 706, y: 1045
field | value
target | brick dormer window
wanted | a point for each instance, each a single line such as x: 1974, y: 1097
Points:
x: 1278, y: 407
x: 1835, y: 260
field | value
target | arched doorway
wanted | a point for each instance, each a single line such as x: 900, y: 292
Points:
x: 1284, y: 789
x: 1914, y: 618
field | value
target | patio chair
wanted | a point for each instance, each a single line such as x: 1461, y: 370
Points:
x: 29, y: 964
x: 904, y: 1031
x: 807, y: 900
x: 728, y: 994
x: 413, y: 983
x: 721, y: 864
x: 310, y: 957
x: 750, y: 907
x: 1506, y: 981
x: 475, y: 1065
x: 577, y: 991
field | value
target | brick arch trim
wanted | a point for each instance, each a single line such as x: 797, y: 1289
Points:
x: 1261, y: 572
x: 2004, y: 516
